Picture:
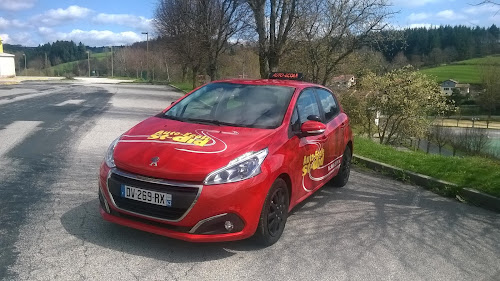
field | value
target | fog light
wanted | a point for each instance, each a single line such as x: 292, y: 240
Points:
x: 229, y: 226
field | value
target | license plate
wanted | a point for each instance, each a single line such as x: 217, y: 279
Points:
x: 148, y: 196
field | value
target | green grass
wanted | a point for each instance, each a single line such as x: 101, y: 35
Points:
x: 461, y: 73
x: 100, y: 55
x: 475, y: 172
x: 466, y: 71
x: 488, y: 60
x: 67, y: 67
x: 184, y: 86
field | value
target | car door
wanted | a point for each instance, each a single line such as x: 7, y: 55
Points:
x: 334, y: 133
x: 310, y: 150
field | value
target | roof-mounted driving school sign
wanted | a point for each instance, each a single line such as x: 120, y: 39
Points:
x: 286, y: 75
x: 7, y: 66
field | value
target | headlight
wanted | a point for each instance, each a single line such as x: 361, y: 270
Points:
x: 110, y: 161
x: 241, y: 168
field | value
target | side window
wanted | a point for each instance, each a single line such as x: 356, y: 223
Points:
x: 307, y: 105
x: 328, y: 104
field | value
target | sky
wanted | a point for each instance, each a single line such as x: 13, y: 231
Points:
x: 105, y: 23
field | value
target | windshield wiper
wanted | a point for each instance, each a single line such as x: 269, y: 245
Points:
x: 212, y: 122
x: 173, y: 117
x: 203, y: 121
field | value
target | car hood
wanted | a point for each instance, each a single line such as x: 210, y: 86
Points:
x: 174, y: 150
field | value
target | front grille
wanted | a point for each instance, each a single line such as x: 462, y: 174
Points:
x: 182, y: 197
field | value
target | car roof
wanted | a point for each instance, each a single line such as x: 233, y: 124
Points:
x: 273, y: 82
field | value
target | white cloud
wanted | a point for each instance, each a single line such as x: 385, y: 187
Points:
x: 5, y: 38
x: 481, y: 9
x: 92, y: 37
x: 446, y: 14
x: 450, y: 15
x: 45, y: 30
x: 137, y: 22
x: 415, y: 17
x: 19, y: 38
x: 414, y: 3
x: 9, y: 24
x: 4, y: 24
x: 16, y: 5
x: 57, y: 16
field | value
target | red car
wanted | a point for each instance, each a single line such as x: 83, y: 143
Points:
x: 227, y: 161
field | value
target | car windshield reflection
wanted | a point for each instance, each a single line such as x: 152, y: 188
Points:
x: 231, y: 104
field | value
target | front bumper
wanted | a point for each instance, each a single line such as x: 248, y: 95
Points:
x: 218, y: 213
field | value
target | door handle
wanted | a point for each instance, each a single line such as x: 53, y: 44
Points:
x: 342, y: 125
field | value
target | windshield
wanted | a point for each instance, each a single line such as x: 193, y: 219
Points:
x: 230, y: 104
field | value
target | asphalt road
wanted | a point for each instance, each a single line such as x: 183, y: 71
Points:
x: 53, y: 137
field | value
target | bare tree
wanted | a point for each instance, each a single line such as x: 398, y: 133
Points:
x: 331, y: 30
x: 441, y: 136
x: 489, y: 99
x: 273, y: 22
x: 471, y: 140
x: 489, y: 2
x: 200, y: 30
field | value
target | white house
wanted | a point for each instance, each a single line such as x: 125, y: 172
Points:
x: 344, y: 81
x: 449, y: 85
x: 7, y: 66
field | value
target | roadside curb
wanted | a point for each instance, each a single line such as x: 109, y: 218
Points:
x: 9, y: 82
x: 480, y: 199
x: 472, y: 196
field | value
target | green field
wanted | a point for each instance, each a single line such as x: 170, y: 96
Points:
x: 67, y: 67
x: 489, y: 60
x: 461, y: 73
x: 467, y: 71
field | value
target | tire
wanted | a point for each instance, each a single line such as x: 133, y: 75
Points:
x: 342, y: 177
x: 273, y: 215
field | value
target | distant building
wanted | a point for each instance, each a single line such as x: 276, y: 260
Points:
x: 344, y: 81
x: 7, y: 66
x: 449, y: 85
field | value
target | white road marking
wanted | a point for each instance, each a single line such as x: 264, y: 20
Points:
x: 15, y: 133
x: 25, y: 97
x: 73, y: 102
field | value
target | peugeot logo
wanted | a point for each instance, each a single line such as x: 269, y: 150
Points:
x: 154, y: 161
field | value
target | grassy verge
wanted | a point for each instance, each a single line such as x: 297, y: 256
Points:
x: 476, y: 172
x: 185, y: 86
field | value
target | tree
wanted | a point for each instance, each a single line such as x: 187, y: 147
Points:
x: 404, y: 99
x: 441, y: 136
x: 399, y: 60
x: 489, y: 99
x: 330, y: 30
x: 273, y: 22
x: 200, y: 30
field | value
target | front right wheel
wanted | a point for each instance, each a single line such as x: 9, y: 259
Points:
x: 274, y: 214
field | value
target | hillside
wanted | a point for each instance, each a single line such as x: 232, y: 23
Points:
x: 63, y: 68
x: 467, y: 71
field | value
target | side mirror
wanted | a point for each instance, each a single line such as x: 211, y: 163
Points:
x: 312, y: 128
x: 314, y: 118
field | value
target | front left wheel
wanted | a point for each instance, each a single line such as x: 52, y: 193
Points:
x: 342, y: 177
x: 274, y: 214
